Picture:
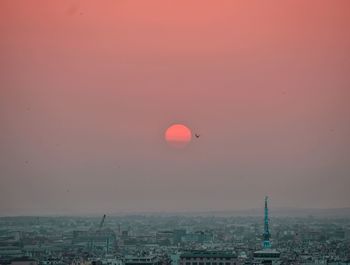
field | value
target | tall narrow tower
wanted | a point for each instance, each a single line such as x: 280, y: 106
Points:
x: 266, y: 235
x: 267, y: 255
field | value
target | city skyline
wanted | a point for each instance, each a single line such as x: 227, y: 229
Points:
x: 88, y: 90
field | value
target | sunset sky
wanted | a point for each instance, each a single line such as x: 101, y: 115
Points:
x: 88, y: 88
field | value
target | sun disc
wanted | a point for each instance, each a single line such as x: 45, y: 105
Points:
x: 178, y: 135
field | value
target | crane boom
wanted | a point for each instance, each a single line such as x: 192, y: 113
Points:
x: 102, y: 221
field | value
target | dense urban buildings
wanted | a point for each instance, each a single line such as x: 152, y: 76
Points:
x: 169, y: 239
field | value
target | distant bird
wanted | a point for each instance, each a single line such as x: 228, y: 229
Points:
x: 197, y: 135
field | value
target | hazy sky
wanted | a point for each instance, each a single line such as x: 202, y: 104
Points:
x: 87, y: 89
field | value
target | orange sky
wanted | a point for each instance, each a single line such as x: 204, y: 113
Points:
x: 87, y: 89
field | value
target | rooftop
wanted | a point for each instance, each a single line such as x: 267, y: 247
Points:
x: 208, y: 254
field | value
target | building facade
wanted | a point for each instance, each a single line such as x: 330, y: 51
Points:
x: 208, y: 258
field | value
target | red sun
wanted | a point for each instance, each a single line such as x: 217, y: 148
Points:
x: 178, y: 135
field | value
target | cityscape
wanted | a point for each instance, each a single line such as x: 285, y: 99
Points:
x: 173, y: 239
x: 174, y: 132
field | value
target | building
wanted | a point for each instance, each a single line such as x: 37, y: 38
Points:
x: 23, y: 261
x: 95, y: 240
x: 208, y: 258
x: 198, y: 237
x: 142, y: 260
x: 267, y: 255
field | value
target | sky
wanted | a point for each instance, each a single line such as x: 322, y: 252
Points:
x: 88, y: 88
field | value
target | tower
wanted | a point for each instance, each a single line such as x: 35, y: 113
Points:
x: 267, y: 255
x: 266, y: 235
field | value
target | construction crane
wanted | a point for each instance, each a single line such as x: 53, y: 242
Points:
x: 102, y: 221
x: 95, y: 232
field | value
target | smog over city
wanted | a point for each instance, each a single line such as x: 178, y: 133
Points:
x: 164, y: 132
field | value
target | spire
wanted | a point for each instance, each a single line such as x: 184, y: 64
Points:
x: 266, y: 235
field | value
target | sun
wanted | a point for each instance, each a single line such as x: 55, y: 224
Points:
x: 178, y: 135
